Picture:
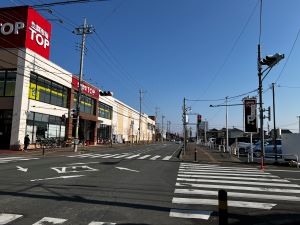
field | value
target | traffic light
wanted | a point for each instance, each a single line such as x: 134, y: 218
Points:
x: 106, y: 93
x: 271, y: 60
x: 199, y: 119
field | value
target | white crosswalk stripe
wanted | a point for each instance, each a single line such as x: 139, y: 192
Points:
x: 123, y: 156
x: 15, y: 159
x: 50, y: 220
x: 7, y: 218
x: 198, y: 184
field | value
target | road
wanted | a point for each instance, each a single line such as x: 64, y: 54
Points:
x: 144, y: 184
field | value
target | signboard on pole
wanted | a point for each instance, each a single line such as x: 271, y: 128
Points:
x: 250, y: 115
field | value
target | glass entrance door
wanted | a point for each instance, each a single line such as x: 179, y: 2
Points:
x: 5, y: 128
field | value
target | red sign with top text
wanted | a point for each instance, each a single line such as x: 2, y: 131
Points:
x: 85, y: 88
x: 23, y: 27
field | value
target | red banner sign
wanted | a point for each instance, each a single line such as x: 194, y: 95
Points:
x: 23, y: 27
x: 85, y: 88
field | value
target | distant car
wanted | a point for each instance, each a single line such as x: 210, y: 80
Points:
x: 269, y: 148
x: 178, y: 141
x: 243, y: 147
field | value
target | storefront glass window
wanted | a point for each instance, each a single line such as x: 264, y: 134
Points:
x: 7, y: 83
x: 40, y: 126
x: 44, y: 90
x: 87, y: 104
x: 105, y: 111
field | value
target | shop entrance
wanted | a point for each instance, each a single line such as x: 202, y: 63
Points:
x: 5, y: 128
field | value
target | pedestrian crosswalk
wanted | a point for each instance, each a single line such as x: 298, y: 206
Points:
x: 7, y: 218
x: 14, y: 159
x: 197, y: 186
x: 123, y: 156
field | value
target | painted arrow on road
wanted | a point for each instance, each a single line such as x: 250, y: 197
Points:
x: 22, y: 169
x: 123, y: 168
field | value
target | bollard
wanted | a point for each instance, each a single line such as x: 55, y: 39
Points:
x: 195, y: 155
x: 223, y: 207
x: 43, y: 149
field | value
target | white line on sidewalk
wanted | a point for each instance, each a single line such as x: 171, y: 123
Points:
x: 241, y: 204
x: 238, y: 194
x: 229, y: 187
x: 238, y: 182
x: 183, y: 174
x: 7, y: 218
x: 191, y: 214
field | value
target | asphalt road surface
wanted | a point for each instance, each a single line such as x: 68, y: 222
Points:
x: 144, y: 184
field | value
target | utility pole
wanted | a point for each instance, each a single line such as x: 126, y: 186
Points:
x: 299, y: 123
x: 83, y: 30
x: 184, y: 126
x: 274, y: 123
x: 162, y: 128
x: 156, y: 122
x: 227, y: 144
x: 140, y: 119
x: 261, y: 116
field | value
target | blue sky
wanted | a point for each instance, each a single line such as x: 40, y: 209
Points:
x: 198, y: 49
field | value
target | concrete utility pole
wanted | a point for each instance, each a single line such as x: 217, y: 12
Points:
x: 184, y: 126
x: 299, y: 123
x: 227, y: 144
x: 83, y: 30
x: 140, y: 119
x: 261, y: 112
x: 162, y: 128
x: 274, y: 123
x: 156, y: 122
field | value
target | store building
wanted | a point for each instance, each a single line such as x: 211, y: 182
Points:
x: 38, y: 98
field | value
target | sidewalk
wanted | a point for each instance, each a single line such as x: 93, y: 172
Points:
x: 206, y: 155
x: 53, y: 151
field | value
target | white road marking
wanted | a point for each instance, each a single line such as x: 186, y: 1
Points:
x: 241, y: 204
x: 22, y: 169
x: 246, y: 188
x: 110, y: 156
x: 228, y: 174
x: 83, y: 163
x: 121, y: 156
x: 72, y: 169
x: 191, y: 214
x: 144, y: 157
x: 60, y: 177
x: 100, y: 223
x: 132, y: 156
x: 50, y: 220
x: 167, y: 157
x: 123, y: 168
x: 238, y: 194
x: 223, y: 171
x: 288, y: 171
x: 93, y: 156
x: 183, y: 174
x: 7, y: 218
x: 237, y: 182
x: 155, y: 157
x: 218, y: 168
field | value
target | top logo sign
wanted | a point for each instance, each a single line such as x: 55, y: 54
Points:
x: 23, y: 27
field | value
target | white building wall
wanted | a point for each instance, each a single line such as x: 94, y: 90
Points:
x: 22, y: 105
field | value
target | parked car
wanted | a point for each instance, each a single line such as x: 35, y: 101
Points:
x: 243, y: 147
x: 269, y: 148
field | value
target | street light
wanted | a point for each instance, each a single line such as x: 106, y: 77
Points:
x: 269, y: 62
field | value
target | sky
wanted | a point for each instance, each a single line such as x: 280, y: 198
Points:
x: 174, y: 49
